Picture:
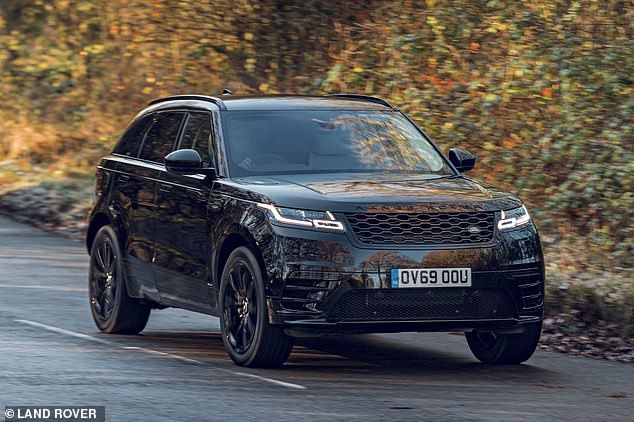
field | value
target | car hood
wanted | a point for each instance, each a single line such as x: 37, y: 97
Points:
x: 372, y: 193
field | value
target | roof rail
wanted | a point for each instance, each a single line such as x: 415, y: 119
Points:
x: 207, y: 98
x: 367, y: 98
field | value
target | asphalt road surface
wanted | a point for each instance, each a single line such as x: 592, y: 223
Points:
x: 52, y: 354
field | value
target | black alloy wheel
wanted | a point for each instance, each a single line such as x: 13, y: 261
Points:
x: 509, y: 349
x: 102, y: 278
x: 246, y: 333
x: 240, y: 307
x: 112, y: 310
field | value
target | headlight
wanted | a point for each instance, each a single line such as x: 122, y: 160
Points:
x: 514, y: 218
x: 316, y: 219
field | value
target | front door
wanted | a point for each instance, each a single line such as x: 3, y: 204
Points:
x: 182, y: 239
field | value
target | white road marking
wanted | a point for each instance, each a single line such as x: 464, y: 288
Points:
x: 44, y: 287
x: 157, y: 353
x: 271, y: 380
x: 65, y: 332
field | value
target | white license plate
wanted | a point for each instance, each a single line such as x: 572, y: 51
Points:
x: 431, y: 277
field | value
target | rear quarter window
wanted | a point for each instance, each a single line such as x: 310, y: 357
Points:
x: 131, y: 140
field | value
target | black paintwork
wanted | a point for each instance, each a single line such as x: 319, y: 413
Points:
x: 176, y: 229
x: 462, y: 160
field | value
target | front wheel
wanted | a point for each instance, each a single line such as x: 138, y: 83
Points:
x: 509, y: 349
x: 246, y: 333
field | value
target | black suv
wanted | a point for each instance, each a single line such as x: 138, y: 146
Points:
x: 293, y: 216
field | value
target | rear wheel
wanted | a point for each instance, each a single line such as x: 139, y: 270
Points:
x: 509, y: 349
x: 246, y: 333
x: 112, y: 309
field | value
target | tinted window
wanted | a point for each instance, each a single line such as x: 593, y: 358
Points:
x: 160, y: 139
x: 327, y: 141
x: 131, y: 140
x: 198, y: 136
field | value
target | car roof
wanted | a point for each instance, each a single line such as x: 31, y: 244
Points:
x: 302, y: 102
x: 268, y: 103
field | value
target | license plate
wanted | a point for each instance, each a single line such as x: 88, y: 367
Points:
x: 431, y: 277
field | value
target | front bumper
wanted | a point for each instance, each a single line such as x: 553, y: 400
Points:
x: 311, y: 327
x: 327, y: 282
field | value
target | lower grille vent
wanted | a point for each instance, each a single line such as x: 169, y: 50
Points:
x: 417, y: 304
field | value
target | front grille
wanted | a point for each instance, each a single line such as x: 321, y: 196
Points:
x: 420, y: 304
x: 422, y: 229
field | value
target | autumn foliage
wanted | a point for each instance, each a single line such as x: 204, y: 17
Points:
x: 541, y: 91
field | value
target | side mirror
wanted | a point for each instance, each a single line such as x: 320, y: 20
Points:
x: 186, y: 161
x: 462, y: 160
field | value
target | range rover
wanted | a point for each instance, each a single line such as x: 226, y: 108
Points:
x: 289, y: 216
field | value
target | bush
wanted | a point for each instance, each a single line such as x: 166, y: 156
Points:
x: 540, y: 90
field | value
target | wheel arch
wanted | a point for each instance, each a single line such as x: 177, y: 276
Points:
x: 98, y: 221
x: 234, y: 237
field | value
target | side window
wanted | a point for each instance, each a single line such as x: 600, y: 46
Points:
x: 132, y: 138
x: 160, y: 139
x: 198, y: 136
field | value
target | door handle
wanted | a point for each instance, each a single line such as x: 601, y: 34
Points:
x: 165, y: 187
x: 124, y: 178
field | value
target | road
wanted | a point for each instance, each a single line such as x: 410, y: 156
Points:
x: 52, y: 354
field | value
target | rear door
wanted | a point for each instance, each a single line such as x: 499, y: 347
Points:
x: 182, y: 246
x: 133, y: 202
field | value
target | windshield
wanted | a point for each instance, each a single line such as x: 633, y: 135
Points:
x: 326, y: 141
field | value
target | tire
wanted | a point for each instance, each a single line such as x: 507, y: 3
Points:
x: 505, y: 349
x: 246, y: 333
x: 113, y: 311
